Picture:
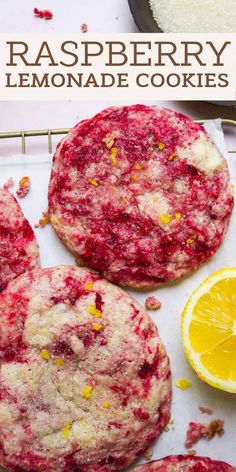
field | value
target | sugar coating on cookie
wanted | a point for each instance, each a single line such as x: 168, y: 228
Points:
x: 185, y: 464
x: 18, y: 247
x: 84, y: 379
x: 141, y: 194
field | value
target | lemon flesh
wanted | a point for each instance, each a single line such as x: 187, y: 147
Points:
x: 209, y: 330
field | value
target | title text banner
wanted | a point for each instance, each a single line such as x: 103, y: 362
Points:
x: 147, y: 66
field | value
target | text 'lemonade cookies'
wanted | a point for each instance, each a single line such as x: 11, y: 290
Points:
x: 141, y: 194
x: 85, y: 379
x: 185, y: 464
x: 18, y: 247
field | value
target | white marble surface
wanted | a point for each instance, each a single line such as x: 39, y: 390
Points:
x: 104, y: 16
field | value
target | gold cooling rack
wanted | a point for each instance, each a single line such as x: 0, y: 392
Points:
x: 52, y: 132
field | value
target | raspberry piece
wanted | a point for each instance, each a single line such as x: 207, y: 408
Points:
x: 46, y: 14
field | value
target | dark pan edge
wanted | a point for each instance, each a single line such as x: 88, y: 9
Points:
x: 142, y: 15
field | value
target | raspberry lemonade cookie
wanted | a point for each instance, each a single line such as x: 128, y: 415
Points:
x: 185, y: 464
x: 18, y: 246
x: 140, y: 194
x: 84, y: 380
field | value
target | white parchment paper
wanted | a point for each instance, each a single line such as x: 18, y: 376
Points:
x: 185, y: 406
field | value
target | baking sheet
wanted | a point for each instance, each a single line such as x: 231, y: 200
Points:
x: 185, y: 405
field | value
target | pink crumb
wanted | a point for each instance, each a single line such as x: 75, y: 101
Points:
x: 192, y: 452
x: 196, y: 431
x: 9, y: 183
x: 24, y: 186
x: 205, y: 410
x: 152, y: 303
x: 84, y: 28
x: 46, y: 14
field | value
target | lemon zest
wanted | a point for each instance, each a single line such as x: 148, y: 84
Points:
x: 114, y: 152
x: 89, y: 286
x: 58, y: 362
x: 45, y: 355
x: 87, y: 391
x: 93, y: 182
x: 165, y: 219
x: 106, y: 405
x: 97, y: 326
x: 178, y: 216
x: 135, y: 178
x: 137, y: 167
x: 66, y: 430
x: 94, y: 311
x: 45, y: 220
x: 192, y: 239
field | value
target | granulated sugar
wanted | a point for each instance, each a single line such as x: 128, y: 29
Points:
x: 176, y: 16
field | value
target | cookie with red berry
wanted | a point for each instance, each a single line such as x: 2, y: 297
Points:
x: 141, y: 194
x: 84, y: 377
x: 18, y: 246
x: 185, y: 464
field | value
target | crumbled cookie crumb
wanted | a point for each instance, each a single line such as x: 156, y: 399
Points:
x: 84, y: 28
x: 215, y: 427
x: 9, y: 183
x: 196, y: 431
x: 80, y: 262
x: 24, y: 187
x: 152, y: 303
x: 192, y: 452
x: 205, y: 410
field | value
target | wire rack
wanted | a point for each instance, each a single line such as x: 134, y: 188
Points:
x: 53, y: 132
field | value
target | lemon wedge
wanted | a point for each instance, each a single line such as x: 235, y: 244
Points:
x: 208, y: 330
